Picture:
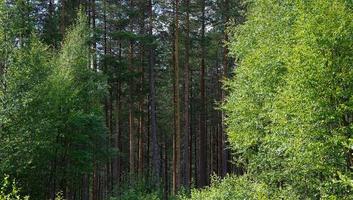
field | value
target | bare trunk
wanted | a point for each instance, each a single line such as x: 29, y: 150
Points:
x: 131, y: 117
x: 141, y: 109
x: 186, y: 135
x: 176, y: 159
x: 116, y: 166
x: 203, y: 135
x: 153, y: 119
x: 94, y: 45
x: 85, y: 187
x: 63, y: 17
x: 165, y: 171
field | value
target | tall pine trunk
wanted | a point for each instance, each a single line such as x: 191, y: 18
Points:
x: 63, y: 18
x: 176, y: 145
x: 131, y: 117
x: 186, y: 135
x: 141, y: 144
x: 94, y: 45
x: 203, y: 135
x: 152, y: 99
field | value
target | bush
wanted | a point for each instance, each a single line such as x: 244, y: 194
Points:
x: 134, y: 189
x: 234, y: 187
x: 10, y: 191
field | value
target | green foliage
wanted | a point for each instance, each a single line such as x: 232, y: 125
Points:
x: 17, y: 21
x: 25, y: 135
x: 59, y: 196
x: 289, y: 108
x: 10, y: 191
x: 134, y: 188
x: 232, y: 187
x: 51, y: 120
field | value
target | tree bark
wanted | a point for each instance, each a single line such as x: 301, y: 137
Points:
x: 119, y: 143
x: 152, y: 100
x: 165, y: 170
x: 186, y: 135
x: 63, y: 17
x: 85, y: 187
x: 177, y: 137
x: 203, y: 135
x: 141, y: 142
x: 131, y: 117
x: 94, y: 59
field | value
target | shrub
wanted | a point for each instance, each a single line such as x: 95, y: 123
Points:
x: 238, y: 187
x: 135, y: 189
x: 10, y: 191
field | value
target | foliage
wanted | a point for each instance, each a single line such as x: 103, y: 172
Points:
x: 289, y: 108
x: 10, y: 191
x: 133, y: 189
x: 51, y: 115
x: 233, y: 187
x: 59, y: 196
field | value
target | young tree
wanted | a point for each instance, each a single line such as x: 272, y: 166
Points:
x: 287, y: 114
x: 53, y: 116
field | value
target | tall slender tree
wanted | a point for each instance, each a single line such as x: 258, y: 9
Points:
x: 177, y: 136
x: 186, y: 132
x: 131, y: 104
x: 203, y: 176
x: 152, y: 100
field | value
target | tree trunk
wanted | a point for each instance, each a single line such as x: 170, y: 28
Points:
x: 131, y: 117
x: 116, y: 160
x: 63, y: 17
x: 203, y: 135
x: 85, y: 187
x: 118, y: 142
x: 152, y: 100
x: 176, y: 159
x: 186, y: 135
x: 141, y: 144
x: 165, y: 170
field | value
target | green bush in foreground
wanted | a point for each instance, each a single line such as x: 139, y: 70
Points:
x: 135, y: 189
x: 233, y: 187
x: 10, y: 191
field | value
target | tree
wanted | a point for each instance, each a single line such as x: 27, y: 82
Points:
x: 177, y: 136
x: 203, y: 175
x: 186, y: 136
x: 52, y: 116
x: 90, y: 148
x: 283, y: 109
x: 152, y: 100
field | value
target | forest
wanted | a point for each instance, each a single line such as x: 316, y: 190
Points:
x: 176, y: 99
